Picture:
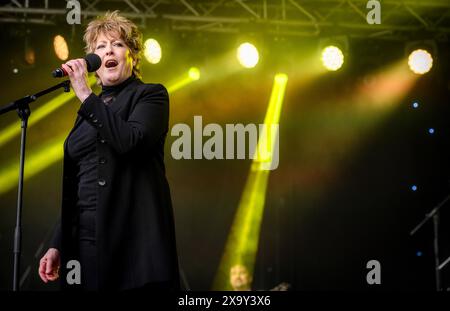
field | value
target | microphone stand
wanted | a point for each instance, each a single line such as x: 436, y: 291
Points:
x: 23, y: 110
x: 435, y: 215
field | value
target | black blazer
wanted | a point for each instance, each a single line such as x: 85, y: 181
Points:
x: 134, y: 224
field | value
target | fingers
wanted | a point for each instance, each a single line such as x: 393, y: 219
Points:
x: 77, y: 65
x: 67, y: 69
x: 53, y: 276
x: 42, y: 268
x: 77, y: 72
x: 49, y: 268
x: 82, y: 63
x: 74, y: 65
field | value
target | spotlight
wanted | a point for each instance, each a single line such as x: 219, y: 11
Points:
x: 194, y: 73
x: 333, y: 52
x: 421, y: 55
x: 152, y: 51
x: 29, y: 55
x: 247, y: 55
x: 60, y: 47
x: 332, y: 58
x: 420, y: 61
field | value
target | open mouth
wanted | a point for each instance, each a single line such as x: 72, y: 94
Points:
x: 111, y: 63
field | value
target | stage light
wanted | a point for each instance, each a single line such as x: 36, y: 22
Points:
x: 420, y: 61
x: 152, y: 51
x: 332, y: 58
x: 414, y: 188
x: 29, y: 53
x: 30, y: 56
x: 415, y: 105
x: 60, y: 47
x: 247, y: 55
x: 431, y: 130
x: 194, y: 73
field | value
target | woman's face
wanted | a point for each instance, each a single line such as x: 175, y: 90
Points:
x: 117, y: 63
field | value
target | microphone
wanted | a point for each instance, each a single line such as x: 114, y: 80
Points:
x: 93, y: 62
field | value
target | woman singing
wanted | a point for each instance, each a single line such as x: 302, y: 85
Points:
x: 116, y: 214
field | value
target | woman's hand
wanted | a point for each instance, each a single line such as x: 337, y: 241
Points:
x: 49, y: 265
x: 77, y: 71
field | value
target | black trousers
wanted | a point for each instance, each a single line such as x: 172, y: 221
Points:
x: 88, y: 262
x: 89, y: 272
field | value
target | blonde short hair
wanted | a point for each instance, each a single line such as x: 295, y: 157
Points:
x: 112, y: 22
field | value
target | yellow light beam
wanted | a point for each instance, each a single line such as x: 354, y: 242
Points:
x: 385, y: 88
x: 242, y: 243
x: 35, y: 163
x: 14, y: 129
x: 193, y: 75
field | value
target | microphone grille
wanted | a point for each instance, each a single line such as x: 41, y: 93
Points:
x: 93, y: 62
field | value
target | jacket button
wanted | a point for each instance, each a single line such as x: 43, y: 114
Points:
x: 102, y: 160
x: 102, y: 182
x: 94, y: 121
x: 91, y: 115
x: 102, y: 141
x: 100, y: 125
